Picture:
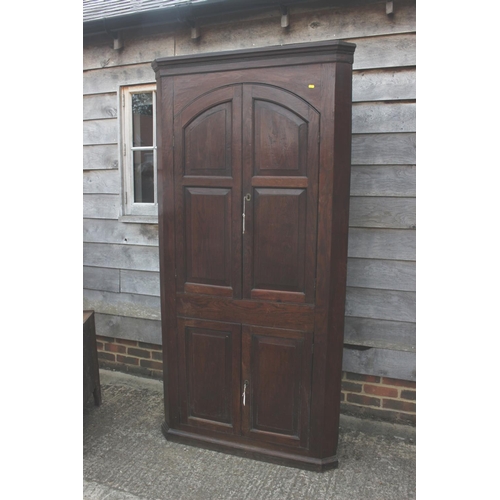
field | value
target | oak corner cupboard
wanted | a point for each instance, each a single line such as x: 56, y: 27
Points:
x: 254, y: 151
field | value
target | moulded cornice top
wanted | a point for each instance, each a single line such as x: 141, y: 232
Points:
x: 278, y: 55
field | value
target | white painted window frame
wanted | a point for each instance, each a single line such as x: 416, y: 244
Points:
x: 136, y: 212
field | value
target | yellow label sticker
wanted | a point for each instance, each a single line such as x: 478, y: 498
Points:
x: 311, y: 86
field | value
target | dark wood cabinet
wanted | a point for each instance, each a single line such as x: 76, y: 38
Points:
x: 253, y: 178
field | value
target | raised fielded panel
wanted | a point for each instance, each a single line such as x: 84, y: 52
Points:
x: 209, y: 374
x: 207, y: 230
x: 279, y: 242
x: 254, y: 170
x: 277, y: 366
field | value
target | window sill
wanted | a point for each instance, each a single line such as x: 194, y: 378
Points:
x: 139, y: 219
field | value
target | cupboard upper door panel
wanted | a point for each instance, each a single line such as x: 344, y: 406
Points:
x: 280, y: 140
x: 207, y: 142
x: 207, y: 233
x: 279, y: 221
x: 208, y: 134
x: 280, y: 175
x: 283, y: 132
x: 207, y: 171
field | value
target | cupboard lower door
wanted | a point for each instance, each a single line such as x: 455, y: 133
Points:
x: 276, y: 377
x: 209, y: 375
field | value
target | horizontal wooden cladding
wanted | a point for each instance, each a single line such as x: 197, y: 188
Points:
x: 384, y: 149
x: 122, y: 304
x: 140, y: 258
x: 100, y: 157
x: 383, y: 117
x: 361, y: 24
x: 101, y: 182
x: 383, y: 180
x: 381, y: 304
x: 396, y: 244
x: 142, y: 50
x: 101, y: 206
x: 100, y: 106
x: 124, y: 327
x: 368, y: 332
x: 381, y: 274
x: 140, y: 282
x: 121, y: 280
x: 98, y: 278
x: 384, y: 85
x: 250, y: 30
x: 106, y: 80
x: 388, y: 51
x: 380, y: 362
x: 390, y: 84
x: 295, y: 316
x: 382, y: 212
x: 111, y: 231
x: 100, y: 131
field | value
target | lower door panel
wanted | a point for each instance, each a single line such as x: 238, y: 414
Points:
x: 276, y: 367
x: 209, y: 374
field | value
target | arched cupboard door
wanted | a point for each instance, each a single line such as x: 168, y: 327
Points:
x: 246, y: 173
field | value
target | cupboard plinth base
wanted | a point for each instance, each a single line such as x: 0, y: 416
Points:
x: 248, y: 451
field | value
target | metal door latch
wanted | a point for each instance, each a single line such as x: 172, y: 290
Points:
x: 244, y: 391
x: 246, y: 198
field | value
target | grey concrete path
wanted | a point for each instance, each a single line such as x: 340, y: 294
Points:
x: 126, y: 457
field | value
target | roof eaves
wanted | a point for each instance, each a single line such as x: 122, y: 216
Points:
x: 156, y: 12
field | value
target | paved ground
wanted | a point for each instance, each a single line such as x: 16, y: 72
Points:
x: 126, y: 457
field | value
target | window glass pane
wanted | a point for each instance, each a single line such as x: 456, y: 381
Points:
x: 144, y: 177
x: 142, y: 121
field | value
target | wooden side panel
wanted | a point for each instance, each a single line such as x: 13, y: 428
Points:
x: 209, y: 367
x: 277, y: 369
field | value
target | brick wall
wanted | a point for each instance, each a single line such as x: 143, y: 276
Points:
x: 365, y: 396
x: 379, y: 398
x: 130, y: 356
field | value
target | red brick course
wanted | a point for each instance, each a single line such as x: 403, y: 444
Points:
x: 381, y: 398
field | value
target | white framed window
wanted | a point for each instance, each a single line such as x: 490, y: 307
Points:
x: 139, y: 151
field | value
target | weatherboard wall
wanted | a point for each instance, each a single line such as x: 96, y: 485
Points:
x: 121, y: 278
